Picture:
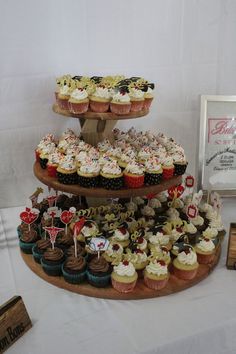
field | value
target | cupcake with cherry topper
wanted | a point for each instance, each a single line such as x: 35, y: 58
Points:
x: 148, y: 96
x: 78, y: 102
x: 136, y: 98
x: 185, y: 265
x: 124, y: 277
x: 120, y: 103
x: 156, y: 275
x: 205, y: 249
x: 100, y: 99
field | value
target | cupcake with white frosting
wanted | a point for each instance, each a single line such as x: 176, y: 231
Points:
x: 124, y: 277
x: 156, y: 275
x: 111, y: 176
x: 67, y: 171
x: 120, y: 103
x: 88, y: 173
x: 134, y: 175
x: 205, y: 250
x: 185, y: 265
x: 100, y: 99
x: 78, y: 102
x: 136, y: 98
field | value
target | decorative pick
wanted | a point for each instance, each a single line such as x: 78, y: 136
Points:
x: 98, y: 244
x: 67, y: 216
x: 192, y: 211
x: 189, y: 182
x: 29, y: 216
x: 53, y: 232
x: 34, y: 196
x: 77, y: 228
x: 51, y: 200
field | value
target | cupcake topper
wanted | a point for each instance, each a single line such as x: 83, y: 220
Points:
x: 77, y: 228
x: 197, y: 197
x: 98, y: 244
x: 192, y: 211
x: 53, y: 212
x: 51, y: 200
x: 34, y: 196
x: 53, y: 232
x: 175, y: 192
x: 67, y: 216
x: 189, y: 181
x: 29, y: 216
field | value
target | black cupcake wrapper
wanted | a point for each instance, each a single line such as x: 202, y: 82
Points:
x: 112, y: 183
x: 43, y: 163
x: 88, y: 182
x: 67, y: 178
x: 179, y: 169
x: 152, y: 178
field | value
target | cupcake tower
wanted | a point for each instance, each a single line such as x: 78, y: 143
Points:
x: 148, y: 241
x: 116, y: 94
x: 133, y: 160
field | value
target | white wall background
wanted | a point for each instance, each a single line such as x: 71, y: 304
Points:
x: 187, y: 47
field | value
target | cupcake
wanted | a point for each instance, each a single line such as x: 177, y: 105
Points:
x: 210, y: 233
x: 159, y: 239
x: 74, y: 270
x: 205, y: 250
x: 149, y: 215
x: 78, y: 102
x: 53, y: 162
x: 136, y: 99
x: 126, y: 157
x: 39, y: 248
x: 156, y: 275
x: 153, y: 172
x: 81, y: 252
x: 138, y: 258
x: 180, y: 163
x: 88, y: 230
x: 28, y: 240
x: 99, y: 272
x: 185, y: 265
x: 88, y: 174
x: 52, y: 261
x: 64, y: 240
x: 111, y: 176
x: 100, y: 99
x: 67, y: 171
x: 199, y: 223
x: 161, y: 253
x: 113, y: 252
x: 134, y: 175
x: 120, y: 235
x: 191, y: 231
x: 124, y: 277
x: 120, y: 103
x: 148, y: 97
x: 168, y: 167
x: 44, y: 155
x: 63, y: 96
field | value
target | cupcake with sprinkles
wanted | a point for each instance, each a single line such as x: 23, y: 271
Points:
x: 111, y: 176
x: 153, y: 172
x: 53, y: 162
x: 113, y: 252
x: 88, y: 173
x: 120, y: 103
x: 78, y: 102
x: 134, y: 175
x: 67, y: 171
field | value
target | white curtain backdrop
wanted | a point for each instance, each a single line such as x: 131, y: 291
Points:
x: 187, y: 47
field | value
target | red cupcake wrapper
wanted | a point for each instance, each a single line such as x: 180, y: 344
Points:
x: 155, y: 284
x: 99, y: 107
x: 205, y: 258
x: 37, y: 153
x: 78, y: 108
x: 136, y: 106
x: 52, y: 170
x: 184, y: 274
x: 123, y: 287
x: 63, y: 104
x: 120, y: 109
x: 167, y: 172
x: 133, y: 181
x: 147, y: 103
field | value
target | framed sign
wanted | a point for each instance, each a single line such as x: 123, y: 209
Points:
x: 217, y: 144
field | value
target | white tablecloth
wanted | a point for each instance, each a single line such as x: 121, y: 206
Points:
x: 201, y: 319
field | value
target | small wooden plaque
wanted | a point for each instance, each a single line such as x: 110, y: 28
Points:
x: 231, y: 254
x: 14, y: 322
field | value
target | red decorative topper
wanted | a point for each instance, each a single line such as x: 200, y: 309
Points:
x: 28, y: 216
x: 189, y: 181
x: 53, y: 232
x: 150, y: 196
x: 192, y: 211
x: 67, y: 216
x: 175, y: 192
x: 51, y: 200
x: 78, y: 226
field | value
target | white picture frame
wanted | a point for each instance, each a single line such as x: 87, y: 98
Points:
x: 217, y: 144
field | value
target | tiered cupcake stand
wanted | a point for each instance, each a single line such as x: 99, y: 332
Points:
x: 94, y: 128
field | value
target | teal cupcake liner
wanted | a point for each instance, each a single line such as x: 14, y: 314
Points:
x: 19, y: 233
x: 51, y: 269
x: 37, y: 256
x: 26, y: 247
x: 73, y: 278
x: 98, y: 281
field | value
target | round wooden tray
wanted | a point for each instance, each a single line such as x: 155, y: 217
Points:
x: 99, y: 116
x: 42, y: 175
x: 140, y: 292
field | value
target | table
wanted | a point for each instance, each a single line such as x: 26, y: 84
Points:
x: 201, y: 319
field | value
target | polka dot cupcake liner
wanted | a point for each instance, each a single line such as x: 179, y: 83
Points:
x: 67, y: 178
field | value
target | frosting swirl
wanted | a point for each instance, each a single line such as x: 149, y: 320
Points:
x: 206, y: 245
x: 53, y: 255
x: 125, y: 269
x: 157, y: 268
x: 189, y: 258
x: 75, y: 264
x: 98, y: 265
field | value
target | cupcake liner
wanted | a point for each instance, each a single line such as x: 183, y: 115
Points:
x: 26, y: 247
x: 56, y: 94
x: 99, y: 107
x: 98, y: 281
x: 37, y: 153
x: 112, y: 183
x: 120, y: 109
x: 180, y: 169
x: 63, y: 103
x: 155, y: 284
x: 88, y: 182
x: 75, y: 278
x: 36, y: 254
x: 168, y: 172
x: 78, y: 108
x: 136, y: 106
x: 52, y: 170
x: 152, y: 178
x: 133, y: 181
x: 19, y: 233
x: 43, y: 163
x: 123, y: 287
x: 67, y: 178
x: 147, y: 103
x: 52, y: 269
x: 184, y: 274
x: 205, y: 258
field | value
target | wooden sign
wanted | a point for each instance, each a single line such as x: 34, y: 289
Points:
x: 231, y: 254
x: 14, y: 322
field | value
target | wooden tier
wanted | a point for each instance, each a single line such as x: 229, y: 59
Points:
x: 99, y: 116
x: 101, y: 192
x: 140, y: 292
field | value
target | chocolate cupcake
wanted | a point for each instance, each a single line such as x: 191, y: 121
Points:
x: 74, y: 270
x: 39, y: 248
x: 99, y: 272
x: 24, y: 227
x: 64, y: 240
x: 52, y: 261
x: 28, y: 240
x: 81, y: 252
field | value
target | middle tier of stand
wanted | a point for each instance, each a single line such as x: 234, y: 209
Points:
x: 42, y: 175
